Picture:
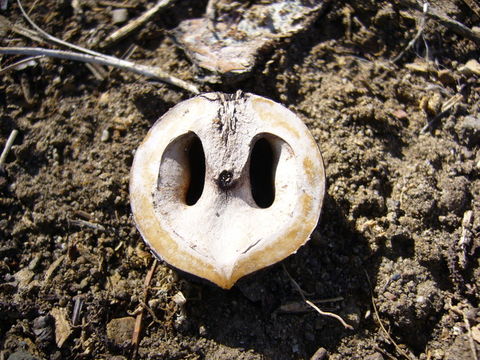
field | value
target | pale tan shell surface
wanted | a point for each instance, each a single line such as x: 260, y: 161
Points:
x: 214, y: 146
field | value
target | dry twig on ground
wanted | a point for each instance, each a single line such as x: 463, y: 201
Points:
x: 377, y: 317
x: 8, y: 146
x: 321, y: 312
x: 139, y: 320
x: 148, y: 71
x: 135, y: 24
x: 89, y: 56
x: 445, y: 20
x: 419, y: 33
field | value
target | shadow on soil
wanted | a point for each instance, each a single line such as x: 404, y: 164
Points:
x: 266, y: 313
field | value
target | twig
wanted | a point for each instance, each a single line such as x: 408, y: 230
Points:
x: 18, y: 63
x: 301, y: 306
x: 8, y: 146
x: 377, y: 316
x: 138, y: 321
x: 324, y: 313
x: 117, y: 5
x: 54, y: 39
x: 421, y: 28
x: 465, y: 238
x: 474, y: 6
x: 84, y: 223
x: 135, y: 24
x: 454, y: 25
x: 20, y: 30
x: 446, y: 107
x: 53, y: 266
x: 384, y: 353
x: 299, y: 289
x: 150, y: 311
x: 148, y: 71
x: 91, y: 56
x: 447, y: 21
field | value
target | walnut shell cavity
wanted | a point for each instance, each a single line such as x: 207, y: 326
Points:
x: 227, y: 184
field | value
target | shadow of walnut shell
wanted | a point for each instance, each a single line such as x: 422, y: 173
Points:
x: 224, y: 185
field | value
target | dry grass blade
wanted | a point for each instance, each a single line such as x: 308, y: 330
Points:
x: 8, y: 146
x: 148, y: 71
x: 377, y: 317
x: 139, y: 320
x: 14, y: 66
x: 6, y: 25
x: 135, y: 24
x: 446, y: 21
x: 321, y: 312
x: 93, y: 57
x: 54, y: 39
x: 326, y: 313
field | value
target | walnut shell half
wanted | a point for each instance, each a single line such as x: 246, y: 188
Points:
x: 224, y: 185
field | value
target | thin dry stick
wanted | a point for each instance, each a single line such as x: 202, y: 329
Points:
x: 96, y: 57
x: 324, y: 313
x: 377, y: 316
x: 138, y: 321
x: 454, y: 25
x: 148, y: 71
x: 135, y: 24
x: 19, y: 30
x: 117, y: 5
x: 11, y: 67
x: 447, y: 21
x: 419, y: 33
x: 446, y: 107
x: 474, y: 6
x: 8, y: 146
x: 56, y: 40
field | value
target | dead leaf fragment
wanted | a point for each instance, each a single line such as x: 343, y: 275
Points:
x: 120, y: 330
x: 62, y: 327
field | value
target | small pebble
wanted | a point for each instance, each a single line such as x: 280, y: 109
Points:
x: 105, y: 135
x: 320, y: 354
x: 179, y: 299
x: 202, y: 330
x: 471, y: 67
x: 119, y: 16
x: 120, y: 330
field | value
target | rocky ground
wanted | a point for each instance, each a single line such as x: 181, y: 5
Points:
x: 396, y: 251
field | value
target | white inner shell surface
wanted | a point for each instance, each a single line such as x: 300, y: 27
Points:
x: 225, y: 234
